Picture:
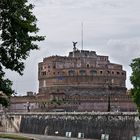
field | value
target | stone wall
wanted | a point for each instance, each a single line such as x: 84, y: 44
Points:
x: 119, y: 126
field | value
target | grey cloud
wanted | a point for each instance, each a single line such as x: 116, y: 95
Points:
x: 124, y: 50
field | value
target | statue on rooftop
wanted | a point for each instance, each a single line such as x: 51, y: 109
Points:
x: 74, y: 45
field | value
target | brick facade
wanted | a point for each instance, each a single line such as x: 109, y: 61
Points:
x: 83, y: 81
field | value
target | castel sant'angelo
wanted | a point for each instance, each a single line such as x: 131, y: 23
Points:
x: 81, y: 81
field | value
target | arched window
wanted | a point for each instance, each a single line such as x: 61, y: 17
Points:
x: 93, y: 72
x: 108, y: 72
x: 88, y: 65
x: 118, y: 72
x: 101, y: 72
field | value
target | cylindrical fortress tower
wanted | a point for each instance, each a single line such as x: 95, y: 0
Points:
x: 82, y: 72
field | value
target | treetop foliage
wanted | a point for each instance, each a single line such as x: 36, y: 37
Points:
x: 18, y: 33
x: 135, y: 80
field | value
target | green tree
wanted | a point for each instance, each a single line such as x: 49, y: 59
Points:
x: 135, y: 80
x: 18, y: 33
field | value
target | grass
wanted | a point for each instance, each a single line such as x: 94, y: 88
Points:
x: 16, y: 137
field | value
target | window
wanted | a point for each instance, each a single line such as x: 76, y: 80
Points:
x: 87, y: 65
x: 82, y: 72
x: 101, y: 72
x: 118, y: 73
x: 71, y: 73
x: 43, y: 73
x: 93, y: 72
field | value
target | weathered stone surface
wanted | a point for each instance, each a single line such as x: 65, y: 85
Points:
x: 120, y: 126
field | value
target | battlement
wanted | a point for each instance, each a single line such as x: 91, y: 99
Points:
x: 83, y: 53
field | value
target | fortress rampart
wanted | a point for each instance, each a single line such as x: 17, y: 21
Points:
x: 119, y: 126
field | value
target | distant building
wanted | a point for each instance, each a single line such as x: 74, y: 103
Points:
x: 24, y: 103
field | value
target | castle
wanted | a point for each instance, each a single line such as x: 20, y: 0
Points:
x: 81, y: 81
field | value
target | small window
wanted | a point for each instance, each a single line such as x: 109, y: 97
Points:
x: 44, y: 73
x: 101, y: 72
x: 53, y: 73
x: 112, y: 72
x: 118, y: 73
x: 87, y: 65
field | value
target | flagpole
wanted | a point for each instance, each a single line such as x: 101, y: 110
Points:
x: 82, y: 42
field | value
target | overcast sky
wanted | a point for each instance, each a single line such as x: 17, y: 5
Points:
x: 111, y: 27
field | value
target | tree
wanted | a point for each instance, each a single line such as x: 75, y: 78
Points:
x: 135, y: 80
x: 18, y: 33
